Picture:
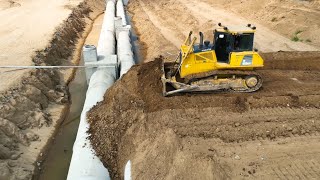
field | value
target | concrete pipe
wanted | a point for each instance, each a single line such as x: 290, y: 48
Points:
x: 121, y: 12
x: 107, y: 42
x: 84, y: 163
x: 125, y: 54
x: 126, y: 63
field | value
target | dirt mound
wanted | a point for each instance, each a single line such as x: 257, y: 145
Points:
x: 169, y: 137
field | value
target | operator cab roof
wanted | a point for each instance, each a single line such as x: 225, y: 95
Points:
x: 236, y: 29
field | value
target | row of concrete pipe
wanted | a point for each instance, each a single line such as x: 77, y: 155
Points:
x: 110, y: 66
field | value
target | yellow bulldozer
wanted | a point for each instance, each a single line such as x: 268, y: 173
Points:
x: 226, y: 64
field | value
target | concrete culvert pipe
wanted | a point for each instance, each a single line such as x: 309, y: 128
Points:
x: 121, y: 12
x: 106, y: 44
x: 84, y: 163
x: 100, y: 81
x: 125, y: 54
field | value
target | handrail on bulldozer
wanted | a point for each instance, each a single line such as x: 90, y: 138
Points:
x: 185, y: 54
x: 188, y: 39
x: 190, y: 47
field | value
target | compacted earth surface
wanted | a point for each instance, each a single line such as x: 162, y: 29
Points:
x: 272, y: 133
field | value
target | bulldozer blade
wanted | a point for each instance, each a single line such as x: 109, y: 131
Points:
x: 185, y: 87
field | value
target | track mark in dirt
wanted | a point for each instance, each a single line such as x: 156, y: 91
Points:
x: 296, y: 170
x: 149, y: 34
x: 136, y: 122
x: 169, y: 34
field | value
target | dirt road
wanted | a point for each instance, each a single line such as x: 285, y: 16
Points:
x: 163, y: 25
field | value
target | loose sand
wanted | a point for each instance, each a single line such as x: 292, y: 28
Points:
x: 213, y: 136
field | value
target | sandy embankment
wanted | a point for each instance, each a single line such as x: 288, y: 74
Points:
x: 32, y: 102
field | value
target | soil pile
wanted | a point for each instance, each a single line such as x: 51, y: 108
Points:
x: 200, y: 136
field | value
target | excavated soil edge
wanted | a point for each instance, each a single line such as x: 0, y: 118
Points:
x: 135, y: 122
x: 26, y: 109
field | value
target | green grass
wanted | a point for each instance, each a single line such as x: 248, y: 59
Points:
x: 295, y: 39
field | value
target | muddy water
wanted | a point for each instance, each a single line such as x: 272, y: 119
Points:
x: 58, y: 158
x: 56, y: 165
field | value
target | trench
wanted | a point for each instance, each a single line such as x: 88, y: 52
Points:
x: 58, y: 157
x: 57, y: 161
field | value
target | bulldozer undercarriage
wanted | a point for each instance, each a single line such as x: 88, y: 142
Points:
x: 216, y: 80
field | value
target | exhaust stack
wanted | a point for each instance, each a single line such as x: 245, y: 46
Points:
x: 201, y: 40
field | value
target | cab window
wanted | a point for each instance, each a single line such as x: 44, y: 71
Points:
x: 243, y: 42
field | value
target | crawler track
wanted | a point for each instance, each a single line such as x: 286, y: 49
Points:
x: 228, y: 74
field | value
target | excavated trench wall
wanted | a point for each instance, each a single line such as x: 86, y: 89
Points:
x: 26, y: 109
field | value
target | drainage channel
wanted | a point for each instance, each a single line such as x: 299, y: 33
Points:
x: 59, y: 155
x: 58, y: 158
x: 114, y: 51
x: 57, y: 162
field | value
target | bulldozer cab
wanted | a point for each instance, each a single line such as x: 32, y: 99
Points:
x: 232, y: 40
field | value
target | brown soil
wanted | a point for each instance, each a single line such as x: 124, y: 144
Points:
x: 272, y: 133
x: 31, y: 110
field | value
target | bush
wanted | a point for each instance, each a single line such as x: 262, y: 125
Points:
x: 295, y: 39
